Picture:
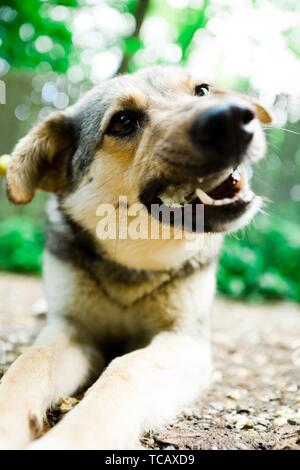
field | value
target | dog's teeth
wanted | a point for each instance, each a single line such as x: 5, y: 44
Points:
x: 175, y: 197
x: 204, y: 198
x: 236, y: 175
x: 168, y: 201
x: 243, y: 179
x: 208, y: 201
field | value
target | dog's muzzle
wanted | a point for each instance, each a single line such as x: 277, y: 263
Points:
x: 218, y: 179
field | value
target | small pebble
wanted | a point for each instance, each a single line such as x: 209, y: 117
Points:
x: 260, y: 427
x: 243, y: 422
x: 217, y: 406
x: 288, y: 413
x: 237, y: 359
x: 241, y: 446
x: 67, y: 403
x: 260, y: 359
x: 292, y: 388
x: 234, y: 394
x: 243, y: 373
x: 240, y: 421
x: 230, y: 405
x: 280, y: 421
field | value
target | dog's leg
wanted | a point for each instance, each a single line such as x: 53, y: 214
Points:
x: 56, y: 365
x: 138, y: 391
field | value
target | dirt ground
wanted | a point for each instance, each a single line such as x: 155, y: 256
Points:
x: 254, y: 401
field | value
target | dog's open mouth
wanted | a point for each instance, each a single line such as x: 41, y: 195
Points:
x: 231, y: 189
x: 224, y: 198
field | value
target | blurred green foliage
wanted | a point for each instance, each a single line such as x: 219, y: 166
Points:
x: 264, y: 263
x: 23, y: 22
x: 21, y: 245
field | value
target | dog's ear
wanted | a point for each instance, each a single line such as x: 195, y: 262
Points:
x: 263, y: 115
x: 39, y: 160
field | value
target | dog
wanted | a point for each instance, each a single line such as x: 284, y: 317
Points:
x: 128, y: 316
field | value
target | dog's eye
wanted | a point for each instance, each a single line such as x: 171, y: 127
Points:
x: 123, y: 123
x: 202, y: 90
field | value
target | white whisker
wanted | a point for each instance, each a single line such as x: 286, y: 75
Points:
x: 282, y: 129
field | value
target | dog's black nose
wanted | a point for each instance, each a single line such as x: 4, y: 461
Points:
x: 223, y: 132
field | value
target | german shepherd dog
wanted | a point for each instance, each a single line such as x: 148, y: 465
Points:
x: 128, y: 316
